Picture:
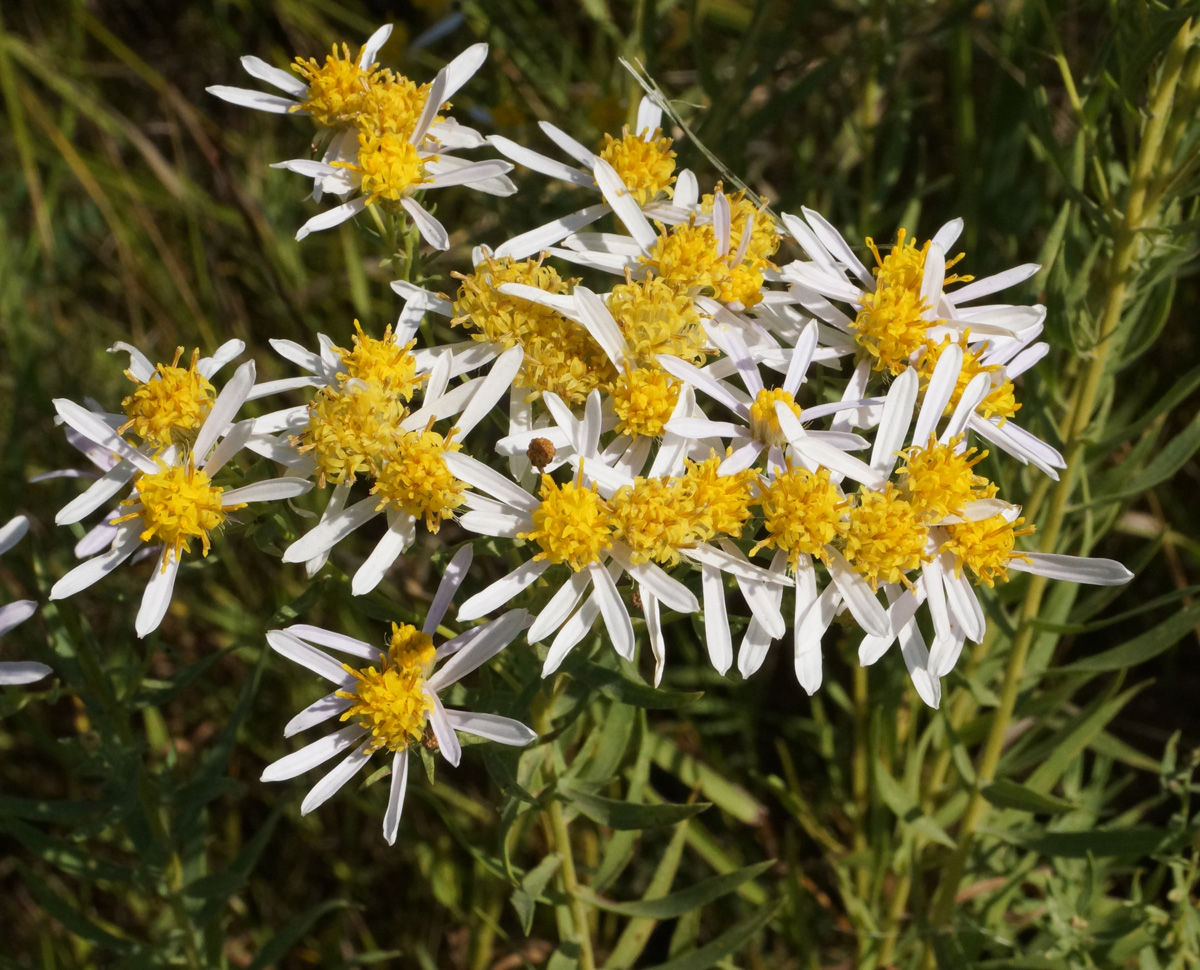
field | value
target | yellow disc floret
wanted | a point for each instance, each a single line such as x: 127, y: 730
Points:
x: 392, y: 103
x: 348, y: 428
x: 654, y: 518
x: 721, y: 504
x: 560, y: 355
x: 336, y: 89
x: 643, y: 401
x: 382, y: 361
x: 389, y: 167
x: 986, y: 547
x: 687, y: 258
x: 646, y: 165
x: 886, y: 536
x: 803, y: 512
x: 1001, y: 400
x: 764, y: 420
x: 939, y: 480
x: 764, y: 235
x: 412, y: 476
x: 170, y: 407
x: 177, y: 504
x: 392, y: 702
x: 656, y: 318
x: 573, y: 524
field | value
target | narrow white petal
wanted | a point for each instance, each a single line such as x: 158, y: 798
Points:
x: 157, y: 596
x: 721, y: 227
x: 554, y: 614
x: 1026, y: 359
x: 893, y: 425
x: 452, y: 578
x: 233, y: 395
x: 329, y: 532
x: 903, y: 609
x: 595, y: 317
x: 308, y: 167
x: 475, y: 172
x: 493, y: 638
x: 492, y: 389
x: 833, y: 241
x: 736, y: 565
x: 964, y: 604
x: 323, y: 790
x: 716, y: 619
x: 96, y: 539
x: 318, y: 712
x: 139, y: 364
x: 15, y: 613
x: 948, y: 235
x: 99, y: 492
x: 687, y: 189
x: 933, y: 277
x: 272, y: 490
x: 613, y: 611
x: 237, y: 439
x: 93, y: 427
x: 540, y: 163
x: 757, y: 640
x: 504, y: 730
x: 291, y: 646
x: 856, y: 388
x: 432, y: 231
x: 860, y: 600
x: 993, y: 284
x: 489, y: 480
x: 943, y: 655
x: 617, y: 195
x: 691, y: 374
x: 937, y: 395
x: 502, y: 590
x: 972, y: 396
x: 433, y: 104
x: 571, y: 632
x: 14, y: 672
x: 336, y: 641
x: 824, y: 453
x: 668, y: 589
x: 810, y: 627
x: 248, y: 98
x: 87, y: 573
x: 649, y: 117
x: 401, y: 531
x: 332, y: 217
x: 443, y: 730
x: 568, y: 144
x: 1073, y: 569
x: 395, y: 805
x: 375, y: 42
x: 489, y: 523
x: 801, y: 359
x: 555, y: 231
x: 257, y: 67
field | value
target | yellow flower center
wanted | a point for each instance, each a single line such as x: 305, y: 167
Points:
x: 391, y: 702
x: 986, y: 547
x: 764, y: 237
x: 939, y: 480
x: 559, y: 354
x: 743, y: 285
x: 764, y: 421
x: 384, y: 362
x: 643, y: 401
x: 646, y: 167
x: 890, y: 327
x: 721, y: 504
x: 803, y: 512
x: 348, y: 428
x: 1001, y: 399
x: 656, y: 318
x: 170, y: 407
x: 392, y: 104
x: 573, y: 524
x: 336, y: 89
x: 654, y: 517
x: 412, y: 476
x: 687, y: 258
x: 389, y: 167
x: 886, y: 536
x: 178, y: 504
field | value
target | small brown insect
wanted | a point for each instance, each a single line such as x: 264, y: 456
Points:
x: 429, y: 739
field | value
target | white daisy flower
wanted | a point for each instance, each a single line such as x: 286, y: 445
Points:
x: 903, y: 305
x: 412, y: 477
x: 13, y: 614
x: 395, y: 706
x: 390, y: 168
x: 176, y: 500
x: 637, y: 169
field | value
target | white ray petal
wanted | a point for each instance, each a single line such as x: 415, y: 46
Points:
x: 452, y: 578
x: 716, y: 619
x: 318, y: 712
x: 560, y: 606
x: 993, y: 284
x: 291, y: 646
x: 14, y: 672
x: 568, y: 144
x: 395, y: 805
x: 157, y: 596
x: 329, y: 532
x: 233, y: 395
x: 860, y: 600
x: 443, y: 730
x: 893, y: 425
x: 544, y: 236
x: 502, y: 590
x: 248, y: 98
x: 948, y: 235
x: 335, y: 641
x: 15, y: 613
x: 258, y: 68
x: 489, y: 480
x: 617, y: 195
x: 85, y: 574
x: 332, y: 217
x: 503, y: 730
x: 323, y: 790
x: 272, y: 490
x: 1073, y: 569
x: 937, y: 395
x: 93, y: 427
x: 540, y: 163
x: 833, y: 241
x: 810, y: 627
x: 399, y: 536
x: 612, y: 610
x: 483, y: 646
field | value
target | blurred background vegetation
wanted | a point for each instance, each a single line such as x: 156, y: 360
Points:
x: 133, y: 829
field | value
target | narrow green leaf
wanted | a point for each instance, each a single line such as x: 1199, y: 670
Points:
x: 728, y: 943
x: 629, y: 815
x: 1010, y: 794
x: 217, y: 888
x: 678, y: 903
x: 713, y: 785
x: 524, y: 897
x: 1141, y: 648
x: 71, y: 919
x: 615, y: 685
x: 906, y: 808
x: 1174, y: 455
x: 1138, y: 840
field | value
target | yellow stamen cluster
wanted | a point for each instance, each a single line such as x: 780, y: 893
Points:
x: 560, y: 355
x: 687, y: 258
x: 646, y: 165
x: 655, y: 318
x: 573, y: 524
x: 986, y: 547
x: 381, y: 361
x: 764, y: 234
x: 336, y: 89
x: 1001, y: 399
x: 803, y: 512
x: 886, y: 536
x: 939, y: 480
x: 389, y: 167
x: 392, y: 104
x: 721, y: 503
x: 413, y: 477
x: 643, y: 401
x: 391, y: 702
x: 890, y: 328
x: 348, y: 428
x: 764, y: 420
x: 655, y: 518
x: 177, y: 504
x: 170, y: 407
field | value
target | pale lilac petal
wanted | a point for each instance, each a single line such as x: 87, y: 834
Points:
x: 15, y: 672
x: 452, y: 578
x: 15, y: 613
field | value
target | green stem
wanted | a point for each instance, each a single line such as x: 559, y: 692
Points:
x: 1125, y: 245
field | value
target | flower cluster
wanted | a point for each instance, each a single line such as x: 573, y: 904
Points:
x: 715, y: 420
